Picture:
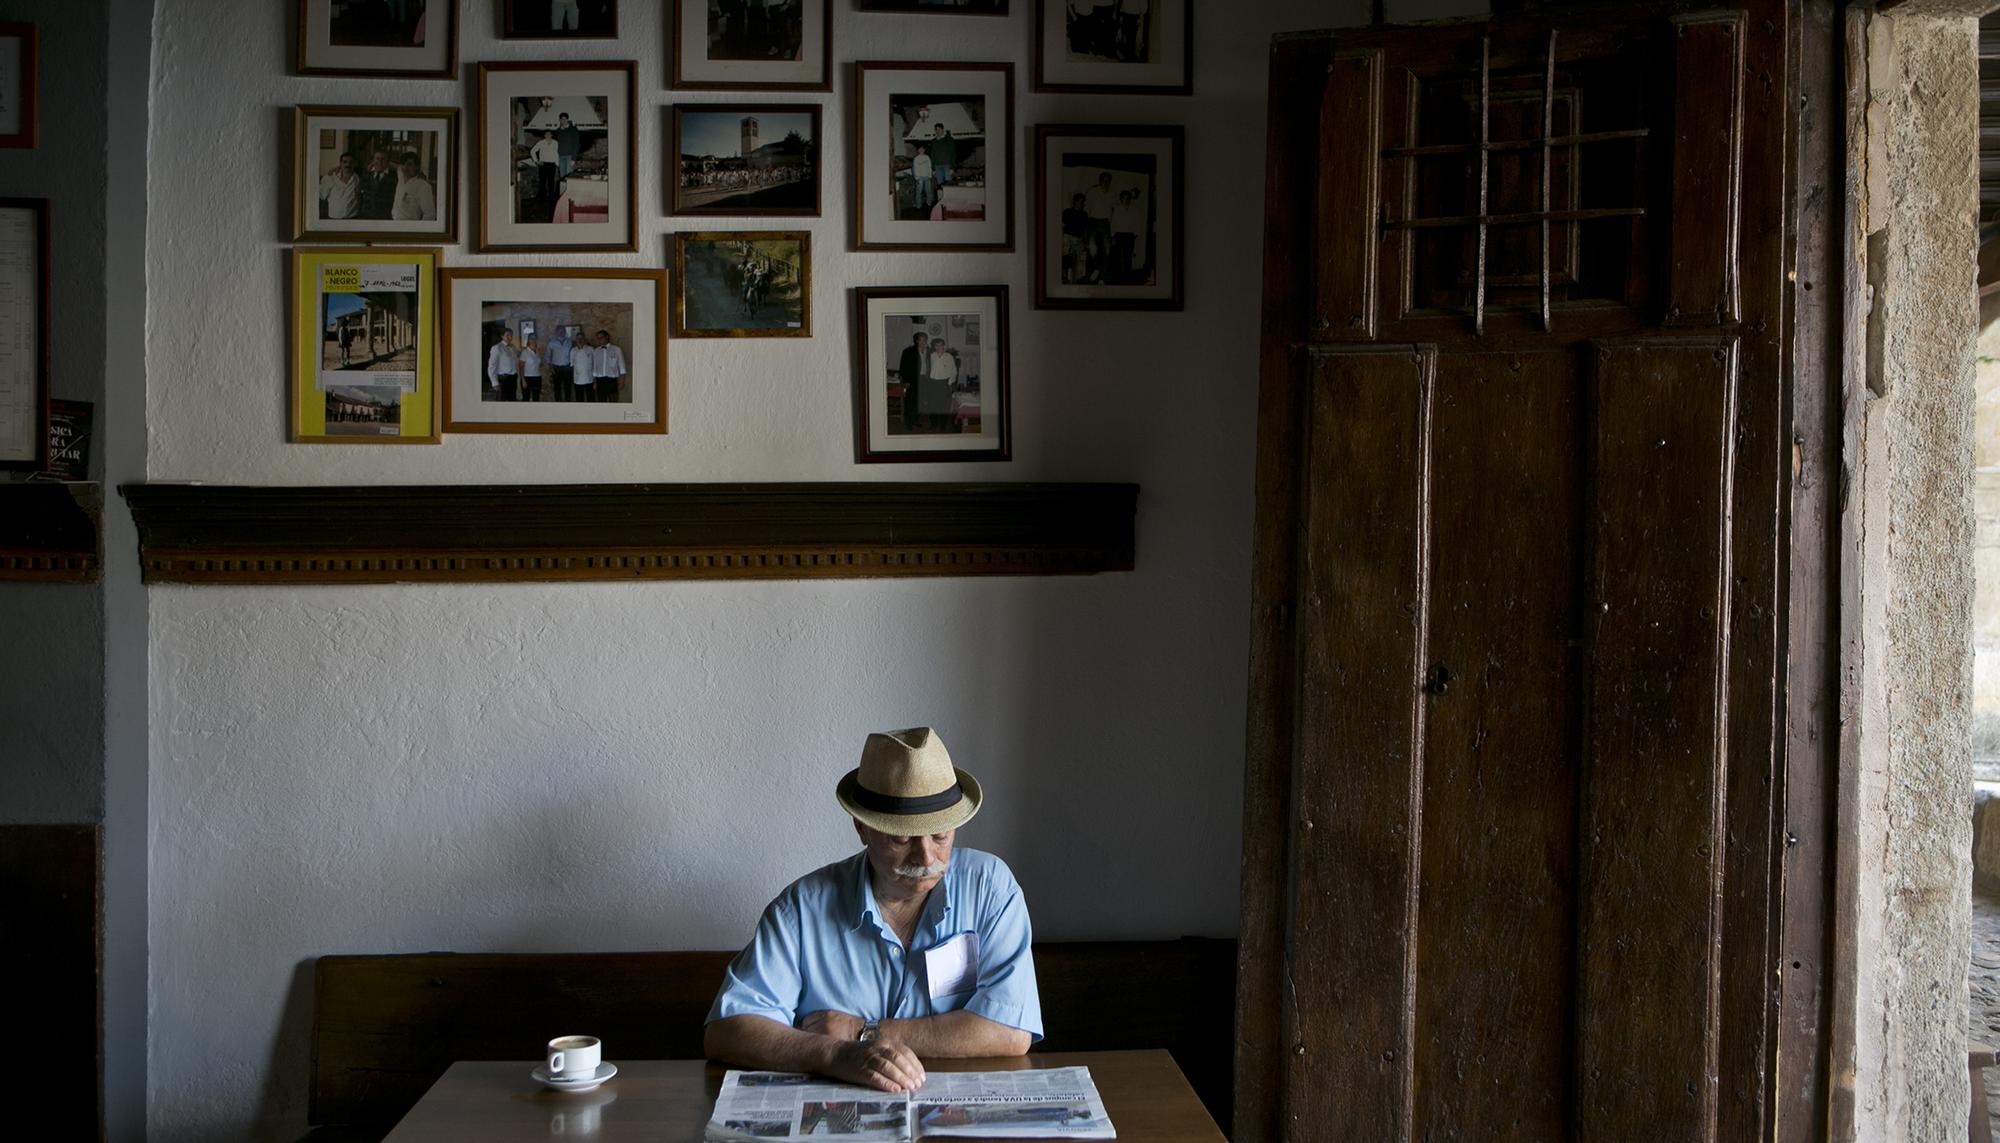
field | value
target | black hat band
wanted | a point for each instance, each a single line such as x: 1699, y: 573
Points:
x: 868, y: 799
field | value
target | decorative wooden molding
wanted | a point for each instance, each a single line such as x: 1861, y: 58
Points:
x: 193, y: 533
x: 49, y: 532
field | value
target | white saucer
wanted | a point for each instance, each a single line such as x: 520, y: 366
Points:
x: 580, y: 1083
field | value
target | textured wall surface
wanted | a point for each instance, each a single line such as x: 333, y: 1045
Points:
x: 52, y: 678
x: 643, y: 766
x: 1914, y: 828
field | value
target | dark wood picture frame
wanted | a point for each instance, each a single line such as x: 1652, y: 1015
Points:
x: 483, y: 200
x: 682, y: 82
x: 862, y: 165
x: 26, y: 98
x: 1042, y: 82
x: 1175, y: 228
x: 680, y: 282
x: 510, y: 26
x: 43, y: 328
x: 919, y: 8
x: 303, y: 228
x: 449, y: 69
x: 865, y: 371
x: 449, y: 349
x: 815, y: 147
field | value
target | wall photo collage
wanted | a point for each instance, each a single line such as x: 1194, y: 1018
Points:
x: 391, y: 346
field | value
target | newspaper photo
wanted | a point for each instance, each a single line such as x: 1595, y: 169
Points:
x: 1055, y: 1103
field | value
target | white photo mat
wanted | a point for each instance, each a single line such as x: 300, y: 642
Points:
x: 883, y: 356
x: 613, y: 83
x: 1057, y: 194
x: 445, y: 185
x: 321, y: 54
x: 468, y: 363
x: 878, y: 225
x: 693, y: 68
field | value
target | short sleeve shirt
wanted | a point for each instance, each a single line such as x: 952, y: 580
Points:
x: 824, y: 945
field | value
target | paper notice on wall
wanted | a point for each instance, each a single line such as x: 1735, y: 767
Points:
x: 368, y: 326
x: 21, y: 411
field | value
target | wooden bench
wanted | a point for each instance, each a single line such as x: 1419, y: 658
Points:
x: 386, y: 1027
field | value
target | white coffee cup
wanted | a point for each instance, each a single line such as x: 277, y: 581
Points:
x: 574, y: 1057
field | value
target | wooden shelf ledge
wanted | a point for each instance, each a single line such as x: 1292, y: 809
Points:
x: 234, y: 534
x: 49, y: 532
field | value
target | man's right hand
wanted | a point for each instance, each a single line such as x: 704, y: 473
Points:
x: 878, y: 1063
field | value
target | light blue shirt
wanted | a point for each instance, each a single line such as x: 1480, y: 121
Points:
x: 824, y: 945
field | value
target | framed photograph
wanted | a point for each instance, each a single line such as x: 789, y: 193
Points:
x: 743, y: 283
x: 555, y: 350
x: 931, y: 374
x: 933, y: 156
x: 408, y: 39
x: 556, y: 156
x: 375, y: 174
x: 1108, y: 229
x: 19, y: 119
x: 364, y: 345
x: 937, y: 7
x: 741, y: 160
x: 768, y: 45
x: 559, y: 19
x: 1145, y: 47
x: 24, y: 334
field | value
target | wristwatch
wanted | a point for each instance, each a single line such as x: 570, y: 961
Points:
x: 869, y: 1031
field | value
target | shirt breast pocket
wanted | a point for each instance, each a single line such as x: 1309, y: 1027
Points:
x: 951, y: 971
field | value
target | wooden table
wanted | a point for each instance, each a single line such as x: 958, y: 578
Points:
x: 1145, y: 1094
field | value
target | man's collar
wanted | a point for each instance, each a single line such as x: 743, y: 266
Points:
x: 868, y: 913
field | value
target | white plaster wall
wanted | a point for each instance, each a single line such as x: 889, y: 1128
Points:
x: 641, y: 766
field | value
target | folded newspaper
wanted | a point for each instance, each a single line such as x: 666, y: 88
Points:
x: 1053, y: 1103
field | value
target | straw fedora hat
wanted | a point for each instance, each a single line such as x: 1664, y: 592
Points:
x: 906, y: 785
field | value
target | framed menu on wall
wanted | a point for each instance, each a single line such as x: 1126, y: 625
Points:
x: 24, y: 333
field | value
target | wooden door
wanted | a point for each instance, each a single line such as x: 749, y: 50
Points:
x: 1515, y: 776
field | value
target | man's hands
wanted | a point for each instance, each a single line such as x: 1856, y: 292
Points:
x: 885, y: 1064
x: 827, y: 1022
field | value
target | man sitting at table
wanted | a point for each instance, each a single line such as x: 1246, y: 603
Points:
x: 903, y: 950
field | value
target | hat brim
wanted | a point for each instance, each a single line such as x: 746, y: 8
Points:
x: 910, y: 825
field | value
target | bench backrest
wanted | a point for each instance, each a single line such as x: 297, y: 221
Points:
x: 386, y: 1027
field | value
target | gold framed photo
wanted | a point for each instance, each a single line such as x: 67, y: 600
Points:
x: 544, y: 349
x: 364, y: 345
x: 375, y: 174
x: 743, y: 283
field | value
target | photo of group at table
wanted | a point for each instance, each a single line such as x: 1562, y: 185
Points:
x: 935, y: 385
x: 562, y: 159
x: 755, y: 29
x: 937, y: 156
x: 1109, y: 236
x: 1113, y: 30
x: 377, y: 23
x: 556, y: 351
x: 380, y: 175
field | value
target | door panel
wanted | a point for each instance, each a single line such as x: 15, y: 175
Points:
x: 1520, y: 494
x: 1360, y: 729
x: 1500, y: 757
x: 1650, y: 899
